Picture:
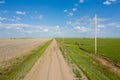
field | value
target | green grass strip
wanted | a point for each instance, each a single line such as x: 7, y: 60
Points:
x: 20, y: 71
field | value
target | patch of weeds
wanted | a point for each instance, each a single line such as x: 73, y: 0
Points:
x: 77, y: 74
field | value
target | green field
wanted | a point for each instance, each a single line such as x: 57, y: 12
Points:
x: 106, y: 48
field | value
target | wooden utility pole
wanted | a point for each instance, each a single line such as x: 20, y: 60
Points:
x: 95, y: 26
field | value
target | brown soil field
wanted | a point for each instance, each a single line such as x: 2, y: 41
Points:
x: 12, y: 48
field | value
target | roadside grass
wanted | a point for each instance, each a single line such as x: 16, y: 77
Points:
x: 85, y: 62
x: 73, y: 66
x: 89, y: 66
x: 77, y: 74
x: 8, y: 66
x: 19, y: 67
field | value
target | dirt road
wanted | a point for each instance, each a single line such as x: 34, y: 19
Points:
x: 51, y: 66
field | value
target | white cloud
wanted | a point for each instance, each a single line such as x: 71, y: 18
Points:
x: 69, y: 22
x: 2, y: 1
x: 15, y: 26
x: 82, y: 29
x: 28, y: 32
x: 20, y: 12
x: 113, y: 24
x: 45, y: 30
x: 11, y: 19
x: 57, y: 26
x: 74, y: 9
x: 102, y: 19
x: 35, y: 29
x: 113, y: 0
x: 70, y: 14
x: 83, y: 21
x: 81, y: 1
x: 18, y: 28
x: 57, y: 33
x: 65, y: 10
x: 109, y: 2
x: 2, y: 19
x: 101, y: 26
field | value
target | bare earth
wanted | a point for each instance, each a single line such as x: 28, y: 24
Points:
x: 51, y: 66
x: 10, y: 48
x: 108, y: 65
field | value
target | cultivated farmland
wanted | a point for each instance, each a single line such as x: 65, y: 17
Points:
x: 17, y: 56
x: 48, y: 59
x: 108, y: 48
x: 10, y: 48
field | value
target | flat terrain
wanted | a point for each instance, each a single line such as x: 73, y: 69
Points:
x: 101, y: 66
x: 10, y: 48
x: 51, y: 66
x: 107, y: 47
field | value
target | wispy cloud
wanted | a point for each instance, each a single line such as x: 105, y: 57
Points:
x: 28, y: 32
x: 14, y: 26
x: 65, y: 10
x: 17, y: 18
x: 114, y: 24
x: 70, y: 14
x: 38, y: 17
x: 14, y: 19
x: 74, y: 9
x: 82, y: 29
x: 20, y: 12
x: 102, y: 19
x: 83, y: 21
x: 27, y: 28
x: 109, y: 2
x: 86, y: 24
x: 101, y: 26
x: 81, y: 1
x: 2, y: 18
x: 45, y: 30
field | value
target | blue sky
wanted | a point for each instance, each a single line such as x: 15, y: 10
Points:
x: 59, y: 18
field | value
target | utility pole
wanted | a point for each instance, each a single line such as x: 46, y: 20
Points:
x: 95, y: 26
